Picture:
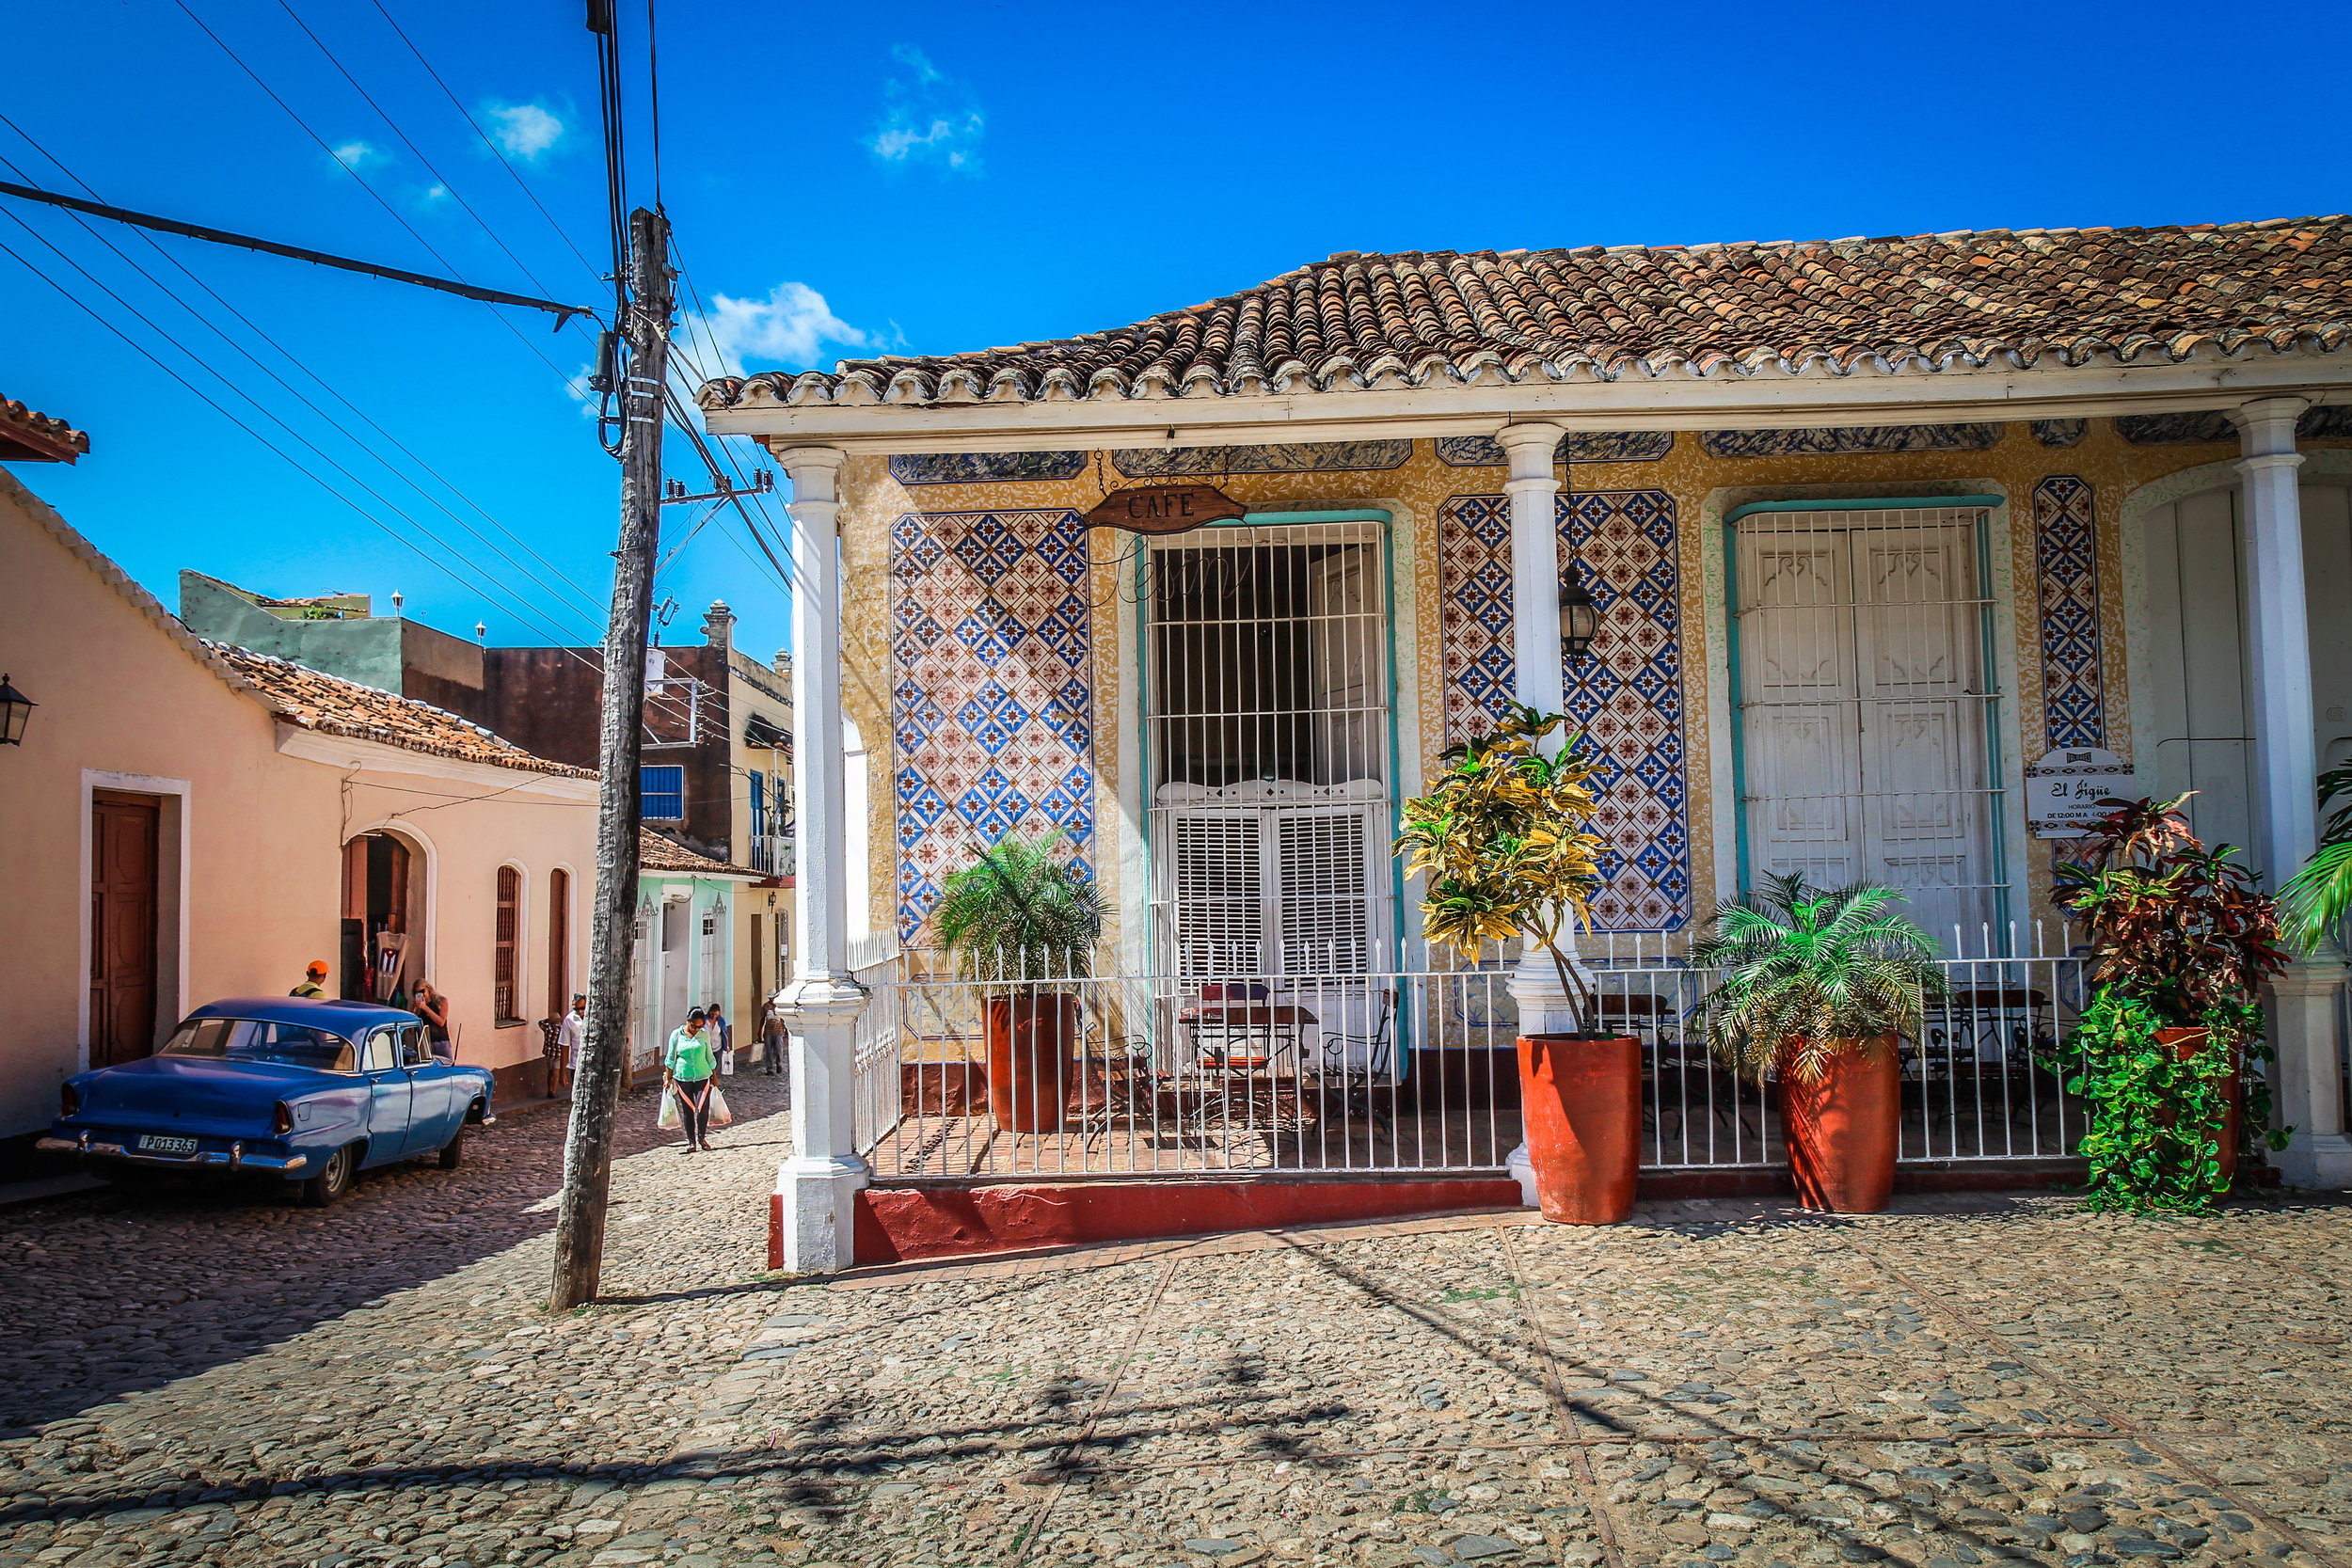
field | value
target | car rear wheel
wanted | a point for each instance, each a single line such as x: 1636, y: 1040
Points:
x: 454, y: 1151
x: 333, y: 1179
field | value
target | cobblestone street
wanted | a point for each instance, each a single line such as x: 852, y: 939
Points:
x: 213, y: 1376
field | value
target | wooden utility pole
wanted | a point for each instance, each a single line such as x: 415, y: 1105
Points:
x: 604, y: 1055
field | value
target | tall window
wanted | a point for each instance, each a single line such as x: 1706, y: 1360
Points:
x: 509, y: 942
x: 559, y: 943
x: 759, y: 805
x: 661, y: 793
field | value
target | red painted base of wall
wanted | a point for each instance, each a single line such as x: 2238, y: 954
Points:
x: 896, y: 1224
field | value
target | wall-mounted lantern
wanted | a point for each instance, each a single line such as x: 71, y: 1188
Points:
x: 15, y: 709
x: 1580, y: 616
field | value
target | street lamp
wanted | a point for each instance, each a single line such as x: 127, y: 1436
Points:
x: 1580, y: 616
x: 15, y: 707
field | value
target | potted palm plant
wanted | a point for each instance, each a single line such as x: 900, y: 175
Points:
x: 2182, y: 939
x: 2317, y: 898
x: 1506, y: 841
x: 1022, y: 921
x: 1816, y: 986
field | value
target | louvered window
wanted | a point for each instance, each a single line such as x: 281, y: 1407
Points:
x: 508, y: 964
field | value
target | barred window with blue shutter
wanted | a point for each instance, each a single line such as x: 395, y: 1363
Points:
x: 759, y: 805
x: 661, y: 794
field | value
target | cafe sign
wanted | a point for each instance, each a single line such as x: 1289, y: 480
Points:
x: 2064, y: 788
x: 1165, y: 508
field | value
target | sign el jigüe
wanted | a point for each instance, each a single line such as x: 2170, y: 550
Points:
x: 1165, y: 508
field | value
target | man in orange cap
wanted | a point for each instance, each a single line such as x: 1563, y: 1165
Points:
x: 313, y: 981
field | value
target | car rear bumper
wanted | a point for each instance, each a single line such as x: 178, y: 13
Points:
x: 234, y: 1158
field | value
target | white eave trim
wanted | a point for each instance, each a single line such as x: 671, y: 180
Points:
x: 348, y: 754
x: 1768, y: 400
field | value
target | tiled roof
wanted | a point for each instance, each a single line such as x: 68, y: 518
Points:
x: 27, y: 435
x: 2068, y: 297
x: 333, y: 706
x: 656, y: 853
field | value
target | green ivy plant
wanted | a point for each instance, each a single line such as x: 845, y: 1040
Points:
x: 2182, y: 938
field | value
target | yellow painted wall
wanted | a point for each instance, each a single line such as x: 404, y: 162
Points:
x: 1703, y: 487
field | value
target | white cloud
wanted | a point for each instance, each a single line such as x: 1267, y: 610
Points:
x: 928, y: 117
x: 358, y: 154
x: 787, y: 327
x: 525, y: 130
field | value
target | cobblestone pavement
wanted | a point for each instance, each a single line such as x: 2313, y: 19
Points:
x: 197, y: 1380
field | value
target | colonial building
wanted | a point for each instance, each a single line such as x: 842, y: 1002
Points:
x: 1892, y: 541
x: 189, y: 821
x: 717, y: 734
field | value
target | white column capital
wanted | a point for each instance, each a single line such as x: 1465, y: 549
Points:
x: 2265, y: 426
x: 815, y: 472
x: 2254, y: 467
x: 1529, y: 448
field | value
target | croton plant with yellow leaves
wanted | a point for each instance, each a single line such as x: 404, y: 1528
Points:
x: 1505, y: 838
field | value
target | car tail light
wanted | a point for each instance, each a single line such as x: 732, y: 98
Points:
x: 281, y: 1122
x: 69, y: 1102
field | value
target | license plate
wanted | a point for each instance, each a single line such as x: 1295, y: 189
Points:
x: 164, y: 1143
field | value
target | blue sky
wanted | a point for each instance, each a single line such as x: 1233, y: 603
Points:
x: 931, y: 177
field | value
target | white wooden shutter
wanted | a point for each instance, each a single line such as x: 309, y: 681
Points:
x: 1212, y: 894
x: 1323, y: 889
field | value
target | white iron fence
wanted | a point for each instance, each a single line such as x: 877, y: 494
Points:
x: 1075, y: 1072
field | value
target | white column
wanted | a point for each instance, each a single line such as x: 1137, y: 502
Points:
x: 821, y: 1004
x: 2305, y: 1002
x: 1535, y: 491
x: 2286, y: 812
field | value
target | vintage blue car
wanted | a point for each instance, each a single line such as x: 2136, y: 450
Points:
x: 312, y: 1091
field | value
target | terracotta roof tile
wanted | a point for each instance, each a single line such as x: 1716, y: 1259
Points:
x: 28, y: 435
x: 333, y: 706
x: 1428, y: 318
x: 656, y: 853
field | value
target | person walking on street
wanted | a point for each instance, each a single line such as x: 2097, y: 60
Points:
x: 771, y: 1041
x: 569, y: 1036
x: 313, y: 981
x: 687, y: 1066
x: 722, y: 1035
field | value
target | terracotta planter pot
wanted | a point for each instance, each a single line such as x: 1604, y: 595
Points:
x: 1030, y: 1039
x: 1843, y: 1128
x: 1580, y: 1103
x: 2187, y: 1045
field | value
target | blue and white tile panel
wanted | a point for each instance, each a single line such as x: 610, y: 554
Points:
x: 2066, y: 561
x: 1626, y: 696
x: 992, y: 702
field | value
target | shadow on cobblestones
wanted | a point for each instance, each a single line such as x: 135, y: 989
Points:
x: 137, y: 1286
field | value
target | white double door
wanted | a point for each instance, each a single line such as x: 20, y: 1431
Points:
x: 1864, y: 707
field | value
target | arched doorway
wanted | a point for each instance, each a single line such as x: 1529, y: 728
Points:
x: 383, y: 917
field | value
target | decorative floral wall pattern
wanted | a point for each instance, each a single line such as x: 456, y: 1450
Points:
x: 1850, y: 439
x: 991, y: 665
x: 1578, y: 446
x: 984, y: 467
x: 2066, y: 560
x: 1627, y: 695
x: 1294, y: 457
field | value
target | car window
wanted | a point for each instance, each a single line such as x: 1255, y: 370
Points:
x: 247, y: 1039
x: 412, y: 1050
x: 379, y: 1055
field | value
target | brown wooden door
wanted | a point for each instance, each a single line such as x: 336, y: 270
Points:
x: 559, y: 944
x: 122, y: 982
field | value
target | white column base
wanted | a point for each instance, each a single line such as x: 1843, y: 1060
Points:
x: 1544, y: 1007
x: 2315, y: 1160
x: 820, y: 1212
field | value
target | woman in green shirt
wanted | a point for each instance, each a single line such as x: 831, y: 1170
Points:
x: 687, y: 1064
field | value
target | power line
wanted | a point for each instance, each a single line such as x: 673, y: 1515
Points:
x: 487, y: 141
x: 385, y: 116
x: 524, y: 609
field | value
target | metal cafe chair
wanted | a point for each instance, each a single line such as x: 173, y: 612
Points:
x: 1376, y: 1045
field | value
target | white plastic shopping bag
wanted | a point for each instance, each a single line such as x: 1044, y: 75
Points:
x: 668, y: 1119
x: 720, y: 1115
